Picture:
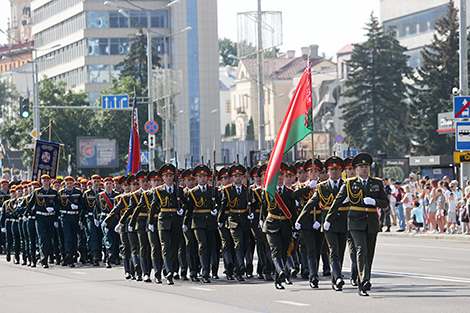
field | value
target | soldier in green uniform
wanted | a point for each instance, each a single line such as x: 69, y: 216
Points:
x: 4, y: 195
x: 201, y: 217
x: 104, y: 204
x: 6, y: 222
x: 277, y: 220
x: 292, y: 253
x: 44, y: 202
x: 70, y: 206
x: 168, y: 203
x: 236, y: 200
x: 365, y: 194
x: 309, y: 219
x: 92, y: 231
x: 30, y: 224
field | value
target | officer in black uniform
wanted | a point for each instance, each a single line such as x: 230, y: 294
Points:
x: 92, y: 232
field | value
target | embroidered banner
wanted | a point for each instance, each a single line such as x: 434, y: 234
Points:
x: 46, y: 159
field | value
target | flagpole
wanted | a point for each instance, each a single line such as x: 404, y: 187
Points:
x: 311, y: 133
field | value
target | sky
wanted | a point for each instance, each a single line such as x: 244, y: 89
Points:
x: 330, y: 24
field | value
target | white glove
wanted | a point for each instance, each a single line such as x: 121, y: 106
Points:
x: 97, y: 223
x: 312, y: 184
x: 152, y: 227
x: 180, y: 212
x: 4, y: 230
x: 326, y: 225
x: 74, y: 206
x: 104, y: 224
x: 297, y: 225
x: 261, y: 223
x: 130, y: 228
x: 214, y: 212
x: 56, y: 224
x: 185, y: 228
x: 25, y: 219
x: 50, y: 209
x: 106, y: 230
x: 295, y: 235
x: 220, y: 225
x: 251, y: 216
x: 117, y: 227
x: 317, y: 225
x: 80, y: 224
x: 346, y: 201
x: 297, y: 203
x: 369, y: 201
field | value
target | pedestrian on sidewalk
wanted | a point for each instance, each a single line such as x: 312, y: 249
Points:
x: 407, y: 200
x: 417, y: 216
x: 441, y: 211
x: 433, y: 207
x: 399, y: 194
x: 451, y: 214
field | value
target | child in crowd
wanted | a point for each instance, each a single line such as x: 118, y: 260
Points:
x: 417, y: 216
x: 451, y: 213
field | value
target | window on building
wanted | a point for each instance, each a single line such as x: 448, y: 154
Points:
x: 98, y: 46
x: 138, y: 18
x: 119, y: 46
x: 97, y: 19
x: 228, y: 106
x: 99, y: 74
x: 117, y: 20
x: 159, y: 19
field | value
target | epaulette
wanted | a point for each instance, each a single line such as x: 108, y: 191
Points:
x: 194, y: 189
x: 289, y: 188
x: 161, y: 187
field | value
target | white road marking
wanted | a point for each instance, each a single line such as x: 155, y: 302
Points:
x: 421, y: 246
x: 80, y: 273
x: 423, y: 276
x: 293, y: 303
x: 202, y: 288
x: 430, y: 260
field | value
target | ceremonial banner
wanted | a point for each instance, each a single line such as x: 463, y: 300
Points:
x: 133, y: 158
x: 295, y: 127
x: 46, y: 159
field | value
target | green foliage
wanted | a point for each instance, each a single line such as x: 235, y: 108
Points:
x: 227, y: 130
x: 8, y: 95
x: 434, y: 81
x: 250, y: 130
x: 227, y: 47
x: 377, y: 116
x: 135, y: 63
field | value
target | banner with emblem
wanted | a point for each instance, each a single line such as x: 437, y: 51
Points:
x: 46, y: 159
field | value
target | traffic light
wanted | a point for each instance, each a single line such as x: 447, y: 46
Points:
x: 24, y: 107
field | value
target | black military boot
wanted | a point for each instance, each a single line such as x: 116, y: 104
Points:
x: 127, y: 268
x: 157, y: 267
x: 169, y: 272
x: 279, y: 265
x: 184, y: 266
x: 291, y: 270
x: 205, y: 268
x: 145, y: 270
x: 192, y: 267
x: 57, y: 259
x: 215, y: 265
x: 229, y: 265
x: 8, y: 257
x: 337, y: 281
x: 241, y: 262
x: 278, y: 281
x: 249, y: 264
x: 313, y: 273
x: 109, y: 260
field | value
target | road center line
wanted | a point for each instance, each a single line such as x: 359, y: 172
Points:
x: 423, y: 276
x: 80, y: 273
x: 418, y: 246
x: 430, y: 260
x: 202, y: 288
x: 293, y: 303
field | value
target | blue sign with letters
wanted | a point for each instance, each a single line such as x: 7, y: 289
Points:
x: 462, y: 136
x: 350, y: 152
x: 461, y: 107
x: 115, y: 101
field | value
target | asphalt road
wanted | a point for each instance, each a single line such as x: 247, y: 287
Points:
x: 409, y: 275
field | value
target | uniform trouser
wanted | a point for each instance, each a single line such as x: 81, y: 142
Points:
x: 337, y: 245
x: 23, y: 237
x: 92, y: 235
x: 134, y: 241
x: 126, y: 244
x: 70, y: 229
x: 15, y: 230
x: 206, y: 240
x: 156, y: 246
x: 45, y: 230
x: 8, y: 237
x: 82, y: 248
x: 227, y: 241
x: 31, y: 229
x: 352, y: 255
x: 110, y: 240
x: 2, y: 241
x: 259, y: 243
x: 241, y: 238
x: 325, y: 255
x: 59, y: 240
x: 279, y: 243
x: 365, y: 248
x: 313, y: 241
x: 144, y: 243
x: 170, y: 240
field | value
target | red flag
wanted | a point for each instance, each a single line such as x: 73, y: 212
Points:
x: 294, y: 128
x: 133, y: 158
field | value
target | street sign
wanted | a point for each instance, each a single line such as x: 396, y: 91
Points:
x: 34, y: 134
x: 462, y: 136
x: 152, y: 142
x: 461, y: 107
x: 350, y: 152
x: 115, y: 101
x: 151, y: 127
x: 339, y: 139
x: 445, y: 123
x: 29, y: 146
x: 461, y: 157
x: 144, y: 158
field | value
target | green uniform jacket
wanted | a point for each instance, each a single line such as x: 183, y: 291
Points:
x: 302, y: 194
x: 102, y: 208
x: 118, y: 211
x: 360, y: 215
x: 273, y: 225
x: 40, y: 200
x: 142, y: 210
x: 199, y: 207
x: 165, y: 205
x: 237, y: 207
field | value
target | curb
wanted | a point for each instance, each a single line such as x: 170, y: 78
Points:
x: 452, y: 237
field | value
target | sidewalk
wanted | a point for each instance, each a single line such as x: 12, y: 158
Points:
x: 426, y: 235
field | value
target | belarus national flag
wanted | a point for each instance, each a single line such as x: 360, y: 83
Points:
x: 133, y: 158
x: 297, y: 124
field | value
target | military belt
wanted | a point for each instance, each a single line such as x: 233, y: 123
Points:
x: 238, y: 211
x: 45, y: 213
x: 90, y: 214
x: 69, y: 212
x: 103, y: 214
x: 258, y: 211
x: 362, y: 209
x: 32, y: 217
x: 143, y: 214
x: 10, y: 220
x: 202, y: 211
x: 168, y: 210
x: 277, y: 217
x: 343, y: 208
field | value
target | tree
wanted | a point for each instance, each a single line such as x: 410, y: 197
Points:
x: 226, y: 48
x: 434, y: 81
x: 376, y: 118
x: 135, y: 63
x: 250, y: 130
x: 8, y: 95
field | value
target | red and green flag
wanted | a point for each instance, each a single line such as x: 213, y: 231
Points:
x: 297, y: 124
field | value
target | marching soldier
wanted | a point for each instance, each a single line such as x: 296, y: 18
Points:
x: 235, y: 198
x: 277, y: 219
x: 200, y: 216
x: 29, y: 218
x: 92, y: 231
x: 4, y: 195
x: 168, y: 203
x: 104, y: 205
x: 365, y: 194
x: 45, y: 204
x: 292, y: 256
x: 71, y: 205
x: 6, y: 223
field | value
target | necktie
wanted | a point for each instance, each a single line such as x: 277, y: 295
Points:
x: 279, y: 190
x: 204, y: 189
x: 239, y: 190
x: 335, y: 188
x: 170, y: 189
x: 364, y: 182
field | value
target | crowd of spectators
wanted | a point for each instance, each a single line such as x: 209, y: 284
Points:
x: 427, y: 205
